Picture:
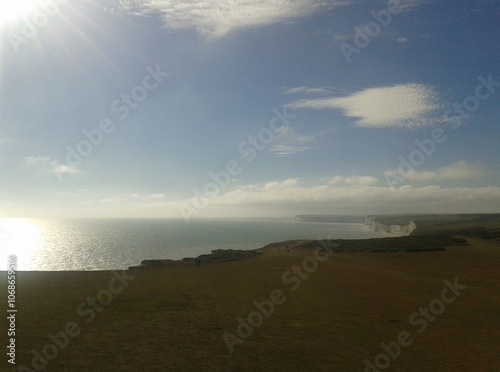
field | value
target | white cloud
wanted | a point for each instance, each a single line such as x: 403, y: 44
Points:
x: 156, y: 196
x: 284, y: 150
x: 46, y: 163
x: 460, y: 170
x: 278, y: 185
x: 306, y: 90
x: 337, y: 180
x: 399, y: 106
x: 353, y: 180
x: 361, y: 180
x: 216, y: 18
x: 292, y: 195
x: 60, y: 169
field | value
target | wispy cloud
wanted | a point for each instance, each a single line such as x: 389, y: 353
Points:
x: 112, y: 199
x: 460, y: 170
x: 291, y: 143
x: 33, y: 160
x: 131, y: 198
x: 407, y: 5
x: 156, y: 196
x: 284, y: 150
x: 338, y: 38
x: 47, y: 163
x: 306, y: 90
x: 288, y: 135
x: 353, y: 180
x: 216, y: 18
x: 314, y: 91
x: 401, y: 106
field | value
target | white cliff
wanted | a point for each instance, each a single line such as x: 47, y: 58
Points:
x: 392, y: 229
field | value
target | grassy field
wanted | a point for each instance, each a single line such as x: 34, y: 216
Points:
x: 332, y: 315
x: 432, y: 223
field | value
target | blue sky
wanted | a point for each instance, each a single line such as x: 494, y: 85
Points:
x: 125, y: 108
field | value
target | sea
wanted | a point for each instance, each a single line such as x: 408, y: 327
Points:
x: 116, y: 244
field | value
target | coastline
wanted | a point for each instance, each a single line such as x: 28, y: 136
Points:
x: 420, y: 243
x: 117, y: 244
x: 427, y: 239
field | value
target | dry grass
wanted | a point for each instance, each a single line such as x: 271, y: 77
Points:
x: 174, y: 319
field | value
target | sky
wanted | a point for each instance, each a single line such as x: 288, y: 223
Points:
x: 257, y: 108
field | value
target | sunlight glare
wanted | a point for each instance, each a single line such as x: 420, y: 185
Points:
x: 11, y: 10
x: 20, y: 237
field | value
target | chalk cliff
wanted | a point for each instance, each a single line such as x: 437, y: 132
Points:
x: 392, y: 229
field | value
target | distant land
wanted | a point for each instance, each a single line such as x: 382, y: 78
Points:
x: 406, y: 224
x: 329, y: 218
x: 425, y: 222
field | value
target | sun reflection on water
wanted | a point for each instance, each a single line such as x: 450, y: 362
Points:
x: 20, y: 237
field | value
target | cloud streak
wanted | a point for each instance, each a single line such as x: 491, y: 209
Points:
x: 460, y: 170
x: 306, y: 90
x: 284, y: 150
x: 407, y: 5
x: 291, y: 143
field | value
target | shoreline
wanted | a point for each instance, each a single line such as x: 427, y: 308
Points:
x: 425, y: 239
x: 131, y: 251
x: 444, y: 226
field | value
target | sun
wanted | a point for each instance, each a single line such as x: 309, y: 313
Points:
x: 11, y: 10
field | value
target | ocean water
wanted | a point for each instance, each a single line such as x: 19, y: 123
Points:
x: 112, y: 244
